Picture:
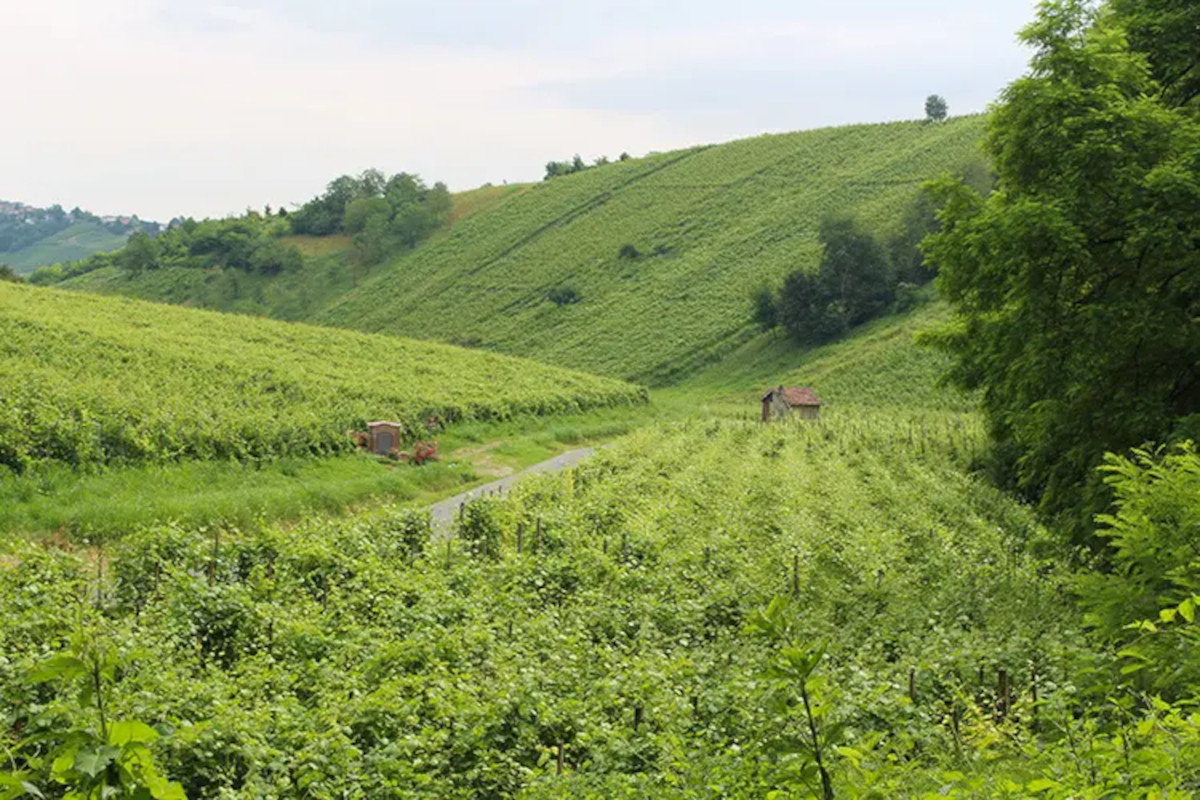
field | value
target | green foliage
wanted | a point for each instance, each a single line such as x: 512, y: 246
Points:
x: 854, y: 283
x: 936, y: 108
x: 327, y: 658
x: 479, y: 529
x: 563, y: 296
x: 8, y: 274
x: 763, y: 309
x: 90, y: 760
x: 383, y: 213
x: 556, y: 169
x: 1155, y: 570
x: 1077, y: 284
x: 91, y: 380
x: 359, y: 211
x: 140, y: 253
x: 714, y: 223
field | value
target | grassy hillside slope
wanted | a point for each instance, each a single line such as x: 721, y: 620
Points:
x: 78, y: 241
x: 711, y: 224
x: 92, y: 379
x: 329, y: 271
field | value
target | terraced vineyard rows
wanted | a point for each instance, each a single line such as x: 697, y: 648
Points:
x: 90, y: 379
x: 710, y: 225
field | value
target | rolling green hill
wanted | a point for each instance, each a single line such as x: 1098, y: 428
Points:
x: 709, y: 225
x: 90, y: 379
x: 79, y: 240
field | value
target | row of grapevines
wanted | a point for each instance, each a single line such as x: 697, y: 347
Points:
x: 93, y: 379
x: 593, y: 634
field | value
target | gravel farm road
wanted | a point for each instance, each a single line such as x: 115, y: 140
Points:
x: 442, y: 514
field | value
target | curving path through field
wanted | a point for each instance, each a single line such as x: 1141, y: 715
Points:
x: 442, y: 513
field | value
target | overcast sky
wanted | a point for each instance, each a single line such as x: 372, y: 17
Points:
x: 205, y: 107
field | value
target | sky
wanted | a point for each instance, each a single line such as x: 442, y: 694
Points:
x: 207, y: 107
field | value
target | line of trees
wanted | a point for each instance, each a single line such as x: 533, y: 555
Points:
x: 556, y: 169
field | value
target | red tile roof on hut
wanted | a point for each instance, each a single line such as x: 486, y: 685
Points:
x: 782, y: 401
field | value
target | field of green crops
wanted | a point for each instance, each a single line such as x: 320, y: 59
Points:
x: 91, y: 380
x: 711, y: 224
x: 604, y: 615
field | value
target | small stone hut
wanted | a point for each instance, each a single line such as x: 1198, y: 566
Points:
x: 383, y: 437
x: 784, y: 401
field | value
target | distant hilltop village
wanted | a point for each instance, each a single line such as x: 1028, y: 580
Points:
x: 13, y: 211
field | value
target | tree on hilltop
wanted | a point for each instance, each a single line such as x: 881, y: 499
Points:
x: 936, y: 108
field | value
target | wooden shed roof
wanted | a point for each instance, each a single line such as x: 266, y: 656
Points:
x: 794, y: 395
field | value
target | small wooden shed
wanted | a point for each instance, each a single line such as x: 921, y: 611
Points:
x: 783, y: 401
x: 383, y: 437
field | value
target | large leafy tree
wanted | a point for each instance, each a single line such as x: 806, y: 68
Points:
x: 854, y: 283
x: 1077, y: 283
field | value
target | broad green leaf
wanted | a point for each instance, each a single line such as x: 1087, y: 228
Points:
x: 93, y: 762
x: 62, y: 665
x: 1187, y: 610
x: 129, y: 731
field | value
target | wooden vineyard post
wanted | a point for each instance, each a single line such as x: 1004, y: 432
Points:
x: 539, y: 535
x: 639, y: 712
x: 1033, y: 689
x: 1003, y: 694
x: 212, y: 563
x: 795, y: 574
x: 520, y: 537
x: 912, y: 685
x: 449, y: 550
x: 561, y: 747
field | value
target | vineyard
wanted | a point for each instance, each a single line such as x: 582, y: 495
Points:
x: 607, y: 633
x: 658, y: 255
x: 705, y: 227
x: 93, y: 380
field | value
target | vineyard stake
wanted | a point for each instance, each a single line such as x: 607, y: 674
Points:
x: 539, y: 535
x: 795, y: 574
x: 1033, y: 687
x: 638, y: 712
x: 1003, y: 694
x: 912, y: 685
x: 212, y: 563
x: 561, y: 746
x: 520, y: 537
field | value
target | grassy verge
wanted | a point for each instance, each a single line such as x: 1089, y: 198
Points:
x: 109, y: 502
x: 105, y: 503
